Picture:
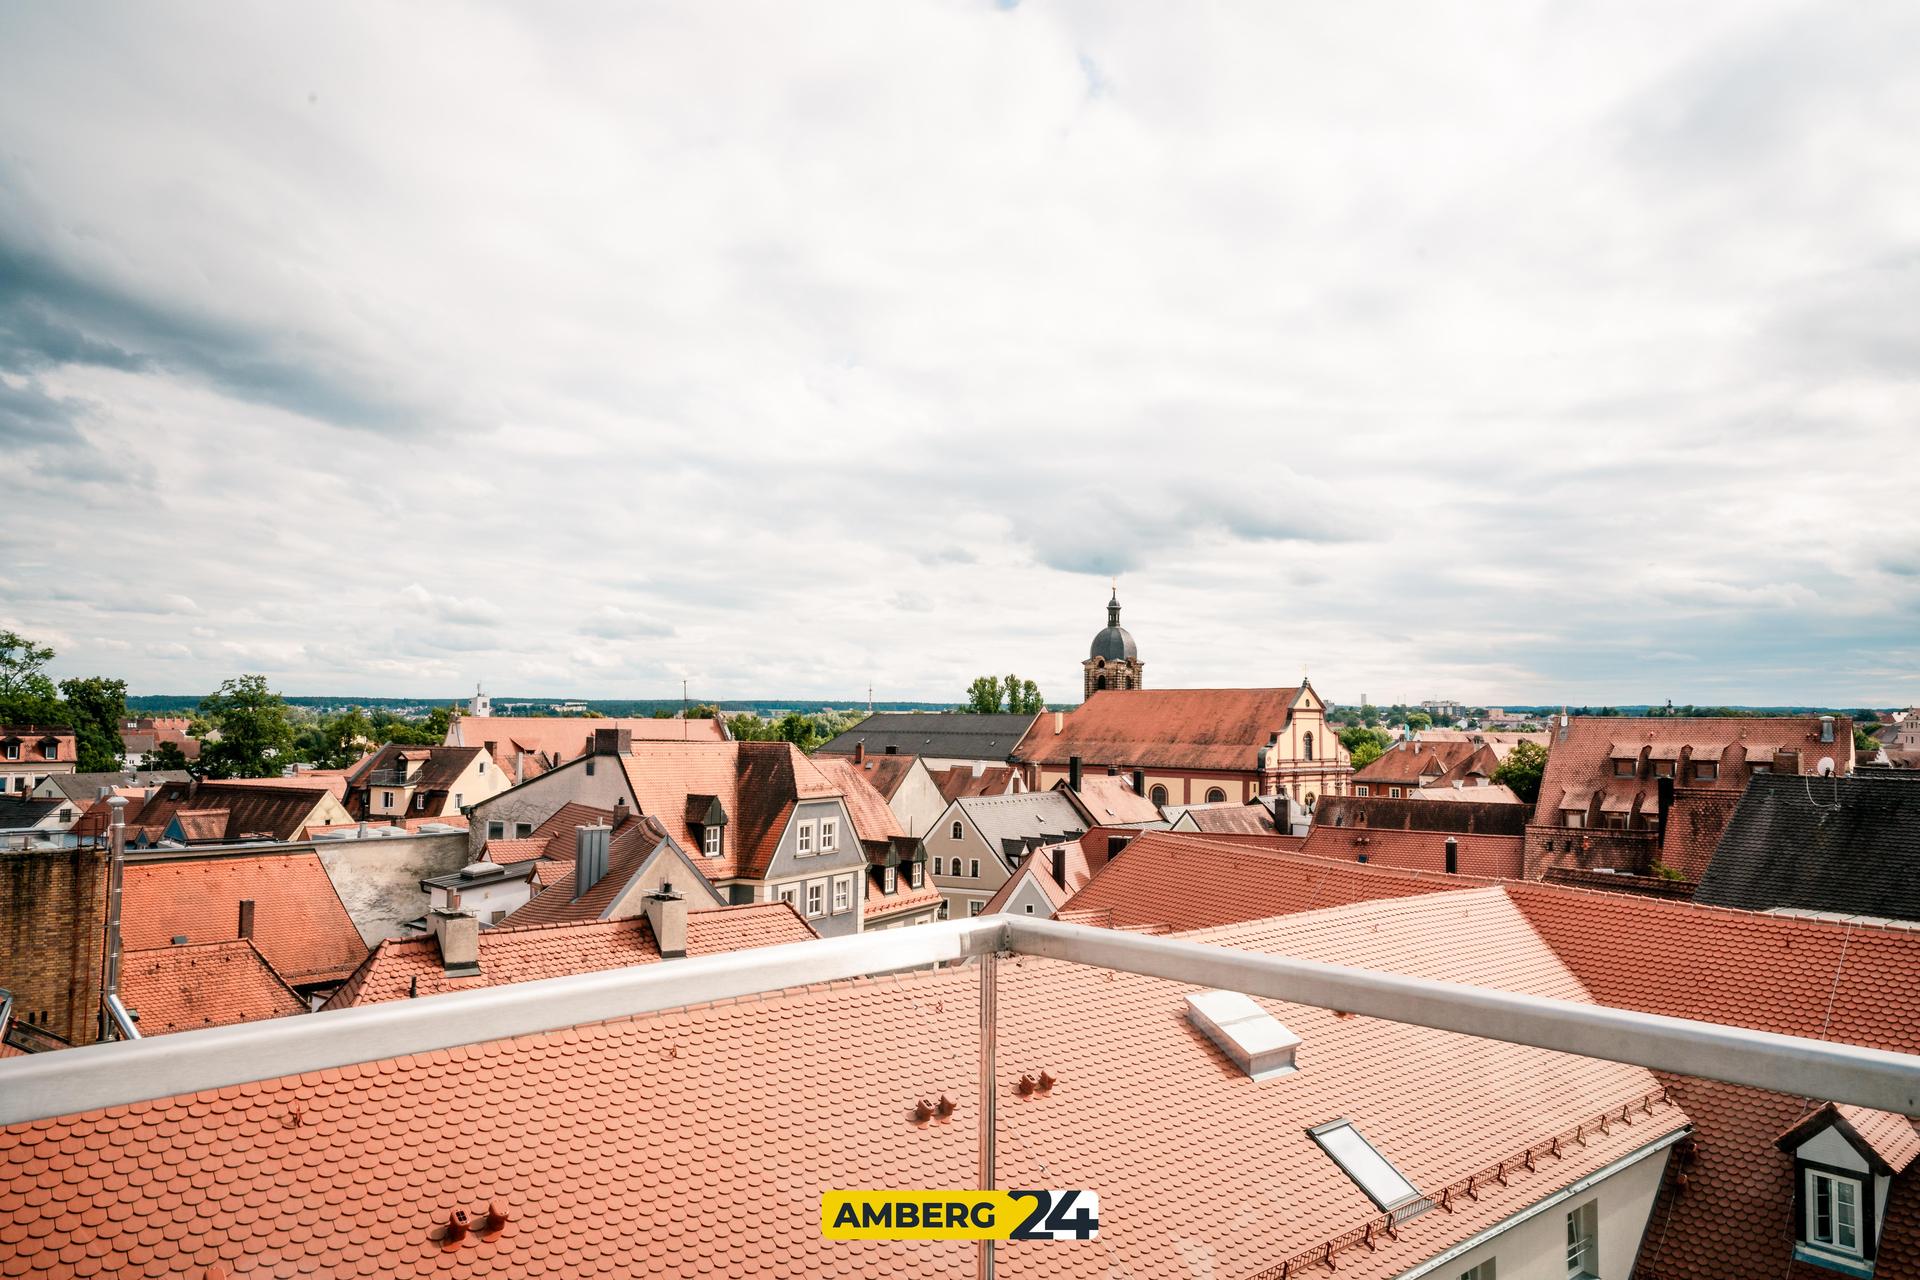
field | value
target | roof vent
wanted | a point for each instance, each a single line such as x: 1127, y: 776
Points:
x: 1256, y: 1040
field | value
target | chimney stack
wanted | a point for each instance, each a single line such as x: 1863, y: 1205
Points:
x: 1059, y: 719
x: 667, y: 915
x: 589, y: 856
x: 859, y: 753
x: 246, y: 917
x: 1826, y: 728
x: 1073, y: 773
x: 459, y: 937
x: 1139, y: 782
x: 1453, y: 856
x: 1664, y: 789
x: 1060, y: 865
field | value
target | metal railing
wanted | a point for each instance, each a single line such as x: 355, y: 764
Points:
x: 82, y: 1079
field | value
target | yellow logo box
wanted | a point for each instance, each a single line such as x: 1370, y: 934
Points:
x: 960, y: 1215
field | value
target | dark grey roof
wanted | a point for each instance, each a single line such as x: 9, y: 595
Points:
x: 85, y: 787
x: 951, y: 735
x: 18, y: 812
x: 1047, y: 815
x: 1849, y: 845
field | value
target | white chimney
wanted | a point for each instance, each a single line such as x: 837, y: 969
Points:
x: 667, y: 915
x: 1059, y: 719
x: 459, y: 937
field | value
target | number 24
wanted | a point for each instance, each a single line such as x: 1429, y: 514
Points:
x: 1050, y: 1219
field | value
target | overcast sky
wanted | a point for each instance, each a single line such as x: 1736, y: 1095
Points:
x: 1504, y: 351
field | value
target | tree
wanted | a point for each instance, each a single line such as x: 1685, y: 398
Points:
x: 254, y: 727
x: 95, y: 708
x: 1357, y: 737
x: 983, y: 696
x: 1366, y: 753
x: 26, y: 695
x: 1522, y: 769
x: 1417, y: 720
x: 988, y: 695
x: 167, y: 755
x: 337, y: 740
x: 1864, y: 741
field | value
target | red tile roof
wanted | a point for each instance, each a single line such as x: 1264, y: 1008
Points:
x: 533, y: 744
x: 1229, y: 819
x: 883, y: 772
x: 960, y: 780
x: 873, y: 821
x: 1414, y: 763
x: 757, y: 783
x: 300, y: 924
x: 779, y: 1097
x: 1186, y: 881
x: 1208, y: 729
x: 262, y: 808
x: 66, y: 748
x: 1886, y: 1140
x: 1038, y: 870
x: 904, y: 900
x: 1694, y: 825
x: 400, y: 968
x: 1494, y: 857
x: 1112, y: 799
x: 210, y: 984
x: 1580, y: 757
x: 632, y: 843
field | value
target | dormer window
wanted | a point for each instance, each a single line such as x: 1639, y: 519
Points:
x: 1706, y: 770
x: 1623, y: 768
x: 889, y: 879
x: 914, y: 874
x: 1663, y: 768
x: 1833, y: 1212
x: 1845, y: 1159
x: 12, y: 751
x: 710, y: 841
x: 49, y: 751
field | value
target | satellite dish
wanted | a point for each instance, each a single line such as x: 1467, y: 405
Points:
x: 1826, y: 766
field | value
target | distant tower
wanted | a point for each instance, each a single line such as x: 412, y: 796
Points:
x: 481, y: 705
x: 1114, y: 661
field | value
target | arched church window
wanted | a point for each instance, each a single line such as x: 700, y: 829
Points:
x: 1307, y: 741
x: 1215, y: 795
x: 1158, y: 795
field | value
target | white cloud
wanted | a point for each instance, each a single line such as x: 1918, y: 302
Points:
x: 1547, y: 351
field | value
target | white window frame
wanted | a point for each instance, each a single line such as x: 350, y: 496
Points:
x: 1814, y: 1179
x: 942, y: 913
x: 816, y: 899
x: 959, y: 830
x: 789, y: 894
x: 710, y: 840
x: 914, y: 874
x: 1481, y: 1270
x: 973, y: 868
x: 973, y: 907
x: 829, y: 834
x: 842, y: 894
x: 803, y: 839
x: 889, y: 879
x: 937, y: 865
x: 1360, y: 789
x: 386, y: 799
x: 1583, y: 1241
x: 13, y: 751
x: 1393, y: 793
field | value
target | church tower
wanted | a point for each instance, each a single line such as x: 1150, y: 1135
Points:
x: 1114, y: 660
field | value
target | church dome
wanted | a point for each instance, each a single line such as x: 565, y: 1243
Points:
x: 1115, y: 643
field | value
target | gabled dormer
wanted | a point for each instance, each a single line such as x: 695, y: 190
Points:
x: 707, y: 820
x: 1845, y: 1159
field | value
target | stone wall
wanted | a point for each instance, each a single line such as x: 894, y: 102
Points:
x: 52, y: 937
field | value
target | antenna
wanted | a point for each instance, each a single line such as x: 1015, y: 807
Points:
x: 685, y: 731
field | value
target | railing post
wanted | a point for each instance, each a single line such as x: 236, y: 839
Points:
x: 989, y: 1095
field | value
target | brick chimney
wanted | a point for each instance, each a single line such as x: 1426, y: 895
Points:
x: 459, y: 937
x: 246, y: 917
x: 666, y: 913
x: 859, y: 753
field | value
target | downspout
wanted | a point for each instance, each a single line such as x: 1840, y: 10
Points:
x: 114, y: 1017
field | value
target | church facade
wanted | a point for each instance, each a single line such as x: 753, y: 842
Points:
x: 1186, y: 746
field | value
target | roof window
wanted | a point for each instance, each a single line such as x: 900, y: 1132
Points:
x: 1385, y: 1185
x: 1258, y: 1042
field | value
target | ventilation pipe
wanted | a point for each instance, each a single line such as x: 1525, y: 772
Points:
x: 1453, y: 856
x: 1139, y: 782
x: 112, y: 1015
x: 589, y: 857
x: 1073, y: 773
x: 1826, y: 728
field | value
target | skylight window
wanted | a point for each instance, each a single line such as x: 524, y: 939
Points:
x: 1385, y: 1185
x: 1257, y: 1042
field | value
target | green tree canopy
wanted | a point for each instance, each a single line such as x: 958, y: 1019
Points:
x: 254, y: 727
x: 990, y: 694
x: 167, y: 755
x: 336, y: 741
x: 1522, y: 769
x: 27, y: 696
x: 95, y: 708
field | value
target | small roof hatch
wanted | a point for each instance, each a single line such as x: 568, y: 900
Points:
x: 1385, y: 1185
x: 1258, y: 1042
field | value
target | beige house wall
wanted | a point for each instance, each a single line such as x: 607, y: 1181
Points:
x: 959, y: 890
x: 1537, y: 1246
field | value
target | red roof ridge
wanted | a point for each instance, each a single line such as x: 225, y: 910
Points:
x: 1907, y: 927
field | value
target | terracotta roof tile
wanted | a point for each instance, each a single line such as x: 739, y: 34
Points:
x: 400, y: 968
x: 779, y: 1097
x: 1495, y: 857
x: 206, y: 985
x: 960, y: 780
x: 300, y: 924
x: 872, y: 819
x: 1166, y: 729
x: 756, y: 782
x: 1194, y: 881
x: 883, y: 773
x: 1112, y: 799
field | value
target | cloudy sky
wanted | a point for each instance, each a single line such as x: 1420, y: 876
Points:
x: 1505, y: 351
